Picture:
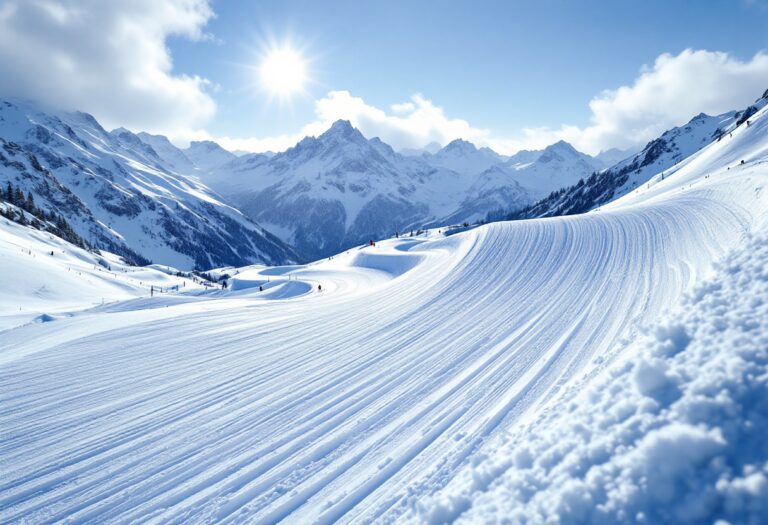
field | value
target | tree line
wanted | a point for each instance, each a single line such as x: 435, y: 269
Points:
x: 38, y: 218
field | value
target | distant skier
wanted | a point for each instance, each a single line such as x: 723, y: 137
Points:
x: 370, y: 243
x: 261, y: 288
x: 223, y: 285
x: 319, y: 287
x: 152, y: 291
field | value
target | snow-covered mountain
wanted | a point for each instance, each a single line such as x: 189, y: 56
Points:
x: 333, y: 191
x: 172, y: 156
x: 463, y: 157
x: 340, y: 189
x: 524, y: 178
x: 613, y: 156
x: 659, y: 155
x: 523, y: 157
x: 558, y: 165
x: 119, y: 194
x: 206, y: 154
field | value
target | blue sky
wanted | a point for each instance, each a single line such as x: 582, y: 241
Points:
x: 508, y: 75
x: 501, y: 65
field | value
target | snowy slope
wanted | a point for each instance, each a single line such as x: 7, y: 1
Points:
x: 46, y: 278
x: 171, y: 156
x: 673, y: 434
x: 120, y: 195
x: 658, y: 155
x: 376, y: 397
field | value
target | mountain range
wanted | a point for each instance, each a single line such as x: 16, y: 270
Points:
x: 341, y: 189
x: 139, y: 195
x: 120, y: 195
x: 660, y: 157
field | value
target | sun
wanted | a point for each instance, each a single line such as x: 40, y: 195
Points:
x: 283, y: 71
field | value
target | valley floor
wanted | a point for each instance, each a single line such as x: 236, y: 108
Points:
x: 432, y: 378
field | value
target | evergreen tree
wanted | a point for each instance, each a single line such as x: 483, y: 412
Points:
x: 18, y: 197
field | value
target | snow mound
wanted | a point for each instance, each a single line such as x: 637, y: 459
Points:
x: 394, y: 264
x: 675, y: 433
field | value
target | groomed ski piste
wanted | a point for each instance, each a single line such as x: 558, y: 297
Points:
x: 603, y: 368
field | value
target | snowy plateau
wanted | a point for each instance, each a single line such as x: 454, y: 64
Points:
x: 603, y: 361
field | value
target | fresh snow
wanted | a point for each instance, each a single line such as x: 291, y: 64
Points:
x: 674, y: 432
x: 524, y: 371
x: 46, y: 278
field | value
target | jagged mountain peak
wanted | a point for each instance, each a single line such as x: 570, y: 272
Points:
x: 700, y: 116
x: 342, y: 131
x: 562, y: 146
x: 207, y: 154
x: 561, y: 151
x: 143, y: 135
x: 460, y: 146
x: 341, y: 126
x: 172, y: 157
x: 340, y: 143
x: 205, y: 145
x: 382, y: 147
x: 128, y: 137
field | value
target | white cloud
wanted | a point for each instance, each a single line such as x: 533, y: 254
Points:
x: 668, y: 93
x: 107, y: 58
x: 410, y: 124
x: 111, y: 59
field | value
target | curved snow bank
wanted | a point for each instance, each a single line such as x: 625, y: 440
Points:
x: 239, y: 283
x: 271, y: 287
x: 279, y: 270
x: 673, y: 434
x: 287, y: 289
x: 393, y: 262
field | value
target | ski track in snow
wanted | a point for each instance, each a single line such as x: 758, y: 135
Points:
x: 347, y: 404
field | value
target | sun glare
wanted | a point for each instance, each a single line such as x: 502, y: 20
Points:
x: 283, y: 72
